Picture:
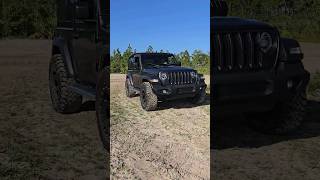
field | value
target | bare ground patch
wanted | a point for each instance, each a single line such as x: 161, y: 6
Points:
x: 36, y: 142
x: 171, y: 143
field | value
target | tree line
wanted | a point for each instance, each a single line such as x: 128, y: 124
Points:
x: 197, y: 59
x: 27, y: 18
x: 299, y: 19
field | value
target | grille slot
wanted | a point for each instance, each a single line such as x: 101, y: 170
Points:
x: 238, y: 51
x: 180, y: 78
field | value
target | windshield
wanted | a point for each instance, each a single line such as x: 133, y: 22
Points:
x: 158, y: 60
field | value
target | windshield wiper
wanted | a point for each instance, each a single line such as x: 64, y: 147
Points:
x: 153, y: 65
x: 168, y: 64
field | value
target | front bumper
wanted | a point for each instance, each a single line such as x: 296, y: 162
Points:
x: 258, y: 91
x: 171, y: 92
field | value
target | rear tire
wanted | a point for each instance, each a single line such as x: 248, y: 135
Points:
x: 284, y: 118
x: 103, y: 107
x: 63, y: 99
x: 129, y: 89
x: 149, y: 101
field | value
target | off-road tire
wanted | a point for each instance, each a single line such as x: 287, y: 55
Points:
x: 149, y: 100
x: 284, y: 118
x: 63, y: 99
x: 103, y: 107
x: 200, y: 97
x: 129, y: 89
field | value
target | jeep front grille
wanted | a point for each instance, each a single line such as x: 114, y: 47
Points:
x: 180, y: 78
x: 238, y: 51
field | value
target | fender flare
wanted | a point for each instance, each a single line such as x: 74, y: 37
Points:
x: 287, y: 44
x: 129, y: 77
x: 147, y: 79
x: 59, y: 46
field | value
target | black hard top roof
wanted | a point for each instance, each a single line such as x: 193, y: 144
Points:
x: 151, y: 53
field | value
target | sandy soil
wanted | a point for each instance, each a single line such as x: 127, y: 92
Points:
x: 171, y: 143
x: 36, y: 142
x: 311, y: 56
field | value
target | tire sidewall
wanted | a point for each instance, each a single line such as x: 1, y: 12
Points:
x: 284, y: 118
x: 148, y: 99
x: 102, y: 108
x: 67, y: 101
x: 143, y: 98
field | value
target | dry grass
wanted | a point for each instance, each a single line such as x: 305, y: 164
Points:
x: 171, y: 143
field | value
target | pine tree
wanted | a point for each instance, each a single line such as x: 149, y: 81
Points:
x: 149, y: 49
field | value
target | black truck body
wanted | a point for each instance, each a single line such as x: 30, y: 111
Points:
x: 255, y: 70
x: 79, y: 67
x: 167, y: 80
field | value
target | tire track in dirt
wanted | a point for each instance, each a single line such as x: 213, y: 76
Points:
x: 171, y: 143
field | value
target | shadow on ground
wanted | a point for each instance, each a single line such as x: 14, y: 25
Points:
x: 234, y: 132
x: 88, y: 106
x: 182, y: 103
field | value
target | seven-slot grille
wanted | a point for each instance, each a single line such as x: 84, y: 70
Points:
x: 180, y: 78
x: 238, y: 51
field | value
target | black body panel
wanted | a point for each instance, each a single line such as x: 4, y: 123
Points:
x: 82, y: 38
x: 179, y: 82
x: 246, y: 78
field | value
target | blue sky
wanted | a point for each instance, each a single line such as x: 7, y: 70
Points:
x: 173, y: 25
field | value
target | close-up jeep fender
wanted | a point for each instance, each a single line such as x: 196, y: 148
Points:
x: 257, y: 72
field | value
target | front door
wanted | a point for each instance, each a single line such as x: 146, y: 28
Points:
x: 85, y: 38
x: 136, y: 76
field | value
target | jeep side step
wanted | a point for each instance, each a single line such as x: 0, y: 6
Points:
x: 85, y: 91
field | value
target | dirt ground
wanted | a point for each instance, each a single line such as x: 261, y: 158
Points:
x: 36, y: 142
x: 241, y: 153
x: 311, y: 56
x: 171, y: 143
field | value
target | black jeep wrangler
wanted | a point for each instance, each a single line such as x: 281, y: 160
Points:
x: 79, y: 65
x: 256, y: 72
x: 159, y: 77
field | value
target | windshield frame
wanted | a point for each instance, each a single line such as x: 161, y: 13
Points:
x: 157, y: 60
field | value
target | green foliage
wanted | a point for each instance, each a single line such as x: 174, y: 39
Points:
x: 198, y: 60
x: 185, y: 58
x: 298, y: 19
x: 27, y: 18
x: 116, y: 61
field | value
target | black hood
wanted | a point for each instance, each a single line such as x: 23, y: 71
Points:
x: 156, y: 70
x: 237, y: 24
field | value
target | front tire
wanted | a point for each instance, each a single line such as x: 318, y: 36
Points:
x: 284, y: 118
x: 200, y: 97
x: 102, y: 108
x: 63, y: 99
x: 149, y: 100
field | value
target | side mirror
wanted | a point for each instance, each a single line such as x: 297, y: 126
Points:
x: 82, y: 11
x: 219, y: 8
x: 136, y: 63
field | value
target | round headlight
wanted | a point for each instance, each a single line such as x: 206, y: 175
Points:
x: 163, y: 76
x: 264, y: 41
x: 193, y: 74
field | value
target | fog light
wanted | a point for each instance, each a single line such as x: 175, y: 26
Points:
x: 290, y: 84
x: 164, y: 91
